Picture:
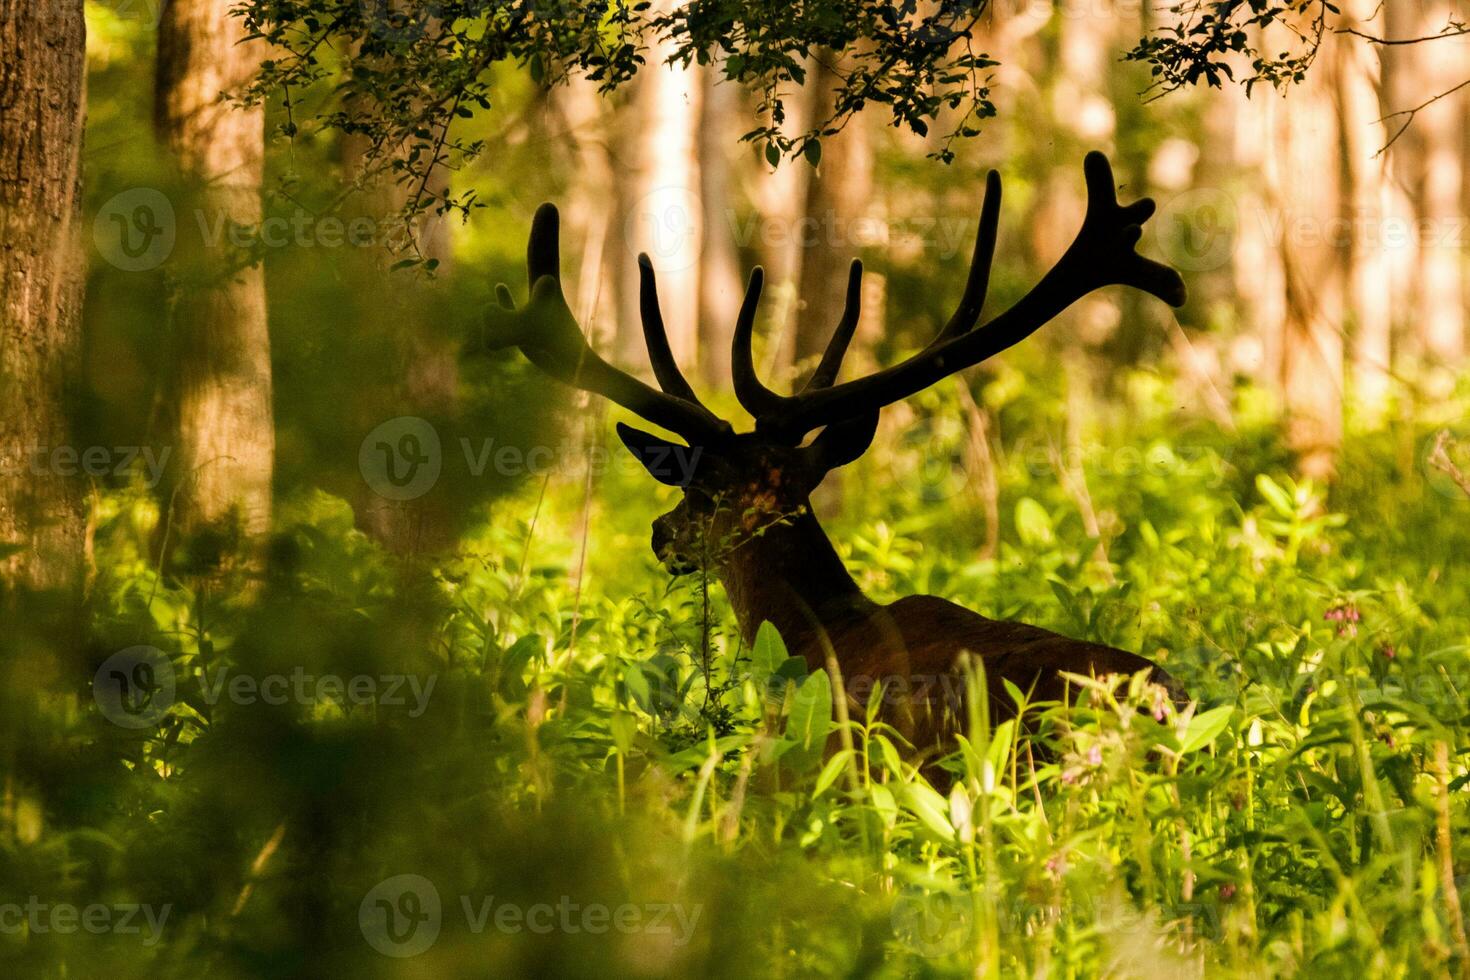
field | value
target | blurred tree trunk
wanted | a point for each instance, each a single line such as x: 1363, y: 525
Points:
x: 1304, y: 187
x: 1441, y: 126
x: 664, y: 215
x: 226, y: 438
x: 42, y: 110
x: 1369, y: 273
x: 583, y: 114
x: 836, y: 202
x: 423, y: 361
x: 781, y: 205
x: 721, y: 285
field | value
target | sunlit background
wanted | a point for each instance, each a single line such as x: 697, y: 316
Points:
x: 1266, y: 490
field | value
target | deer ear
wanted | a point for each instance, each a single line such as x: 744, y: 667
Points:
x: 842, y: 442
x: 667, y: 462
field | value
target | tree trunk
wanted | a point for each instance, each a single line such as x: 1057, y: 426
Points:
x: 664, y: 216
x: 424, y: 368
x: 42, y: 109
x: 1369, y: 273
x: 226, y: 437
x: 1441, y: 128
x: 721, y: 284
x: 1304, y: 185
x: 836, y: 201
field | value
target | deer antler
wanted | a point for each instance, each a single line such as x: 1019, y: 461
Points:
x: 547, y: 333
x: 1102, y: 254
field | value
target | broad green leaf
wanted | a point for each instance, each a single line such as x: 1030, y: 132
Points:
x: 930, y: 808
x: 1205, y: 728
x: 811, y: 714
x: 831, y: 771
x: 1033, y: 523
x: 768, y: 654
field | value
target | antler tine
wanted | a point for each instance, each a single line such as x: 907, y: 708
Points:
x: 852, y: 309
x: 547, y: 333
x: 753, y: 396
x: 656, y: 338
x: 1102, y: 254
x: 967, y: 314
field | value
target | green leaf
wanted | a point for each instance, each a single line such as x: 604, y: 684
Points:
x: 1275, y: 495
x: 930, y: 808
x: 811, y: 714
x: 768, y: 654
x: 1033, y: 523
x: 812, y: 150
x: 1205, y: 728
x: 831, y: 771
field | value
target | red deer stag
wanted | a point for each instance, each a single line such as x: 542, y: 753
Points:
x: 745, y: 514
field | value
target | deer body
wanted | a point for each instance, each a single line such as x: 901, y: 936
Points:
x: 910, y: 649
x: 746, y: 513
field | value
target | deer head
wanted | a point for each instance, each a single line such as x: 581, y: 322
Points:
x: 737, y: 485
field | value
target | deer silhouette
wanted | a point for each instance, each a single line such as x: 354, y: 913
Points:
x: 746, y: 514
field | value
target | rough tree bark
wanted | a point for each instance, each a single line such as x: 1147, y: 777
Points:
x: 42, y: 109
x: 226, y: 435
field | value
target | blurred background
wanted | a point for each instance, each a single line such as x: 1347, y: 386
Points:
x: 1227, y: 487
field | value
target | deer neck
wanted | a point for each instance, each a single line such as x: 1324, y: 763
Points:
x: 792, y: 577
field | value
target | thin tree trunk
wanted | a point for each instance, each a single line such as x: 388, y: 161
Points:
x: 1304, y: 188
x: 781, y: 203
x: 425, y: 362
x: 42, y: 109
x: 836, y: 203
x: 664, y: 216
x: 1441, y: 128
x: 1369, y: 270
x: 225, y: 425
x: 720, y: 281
